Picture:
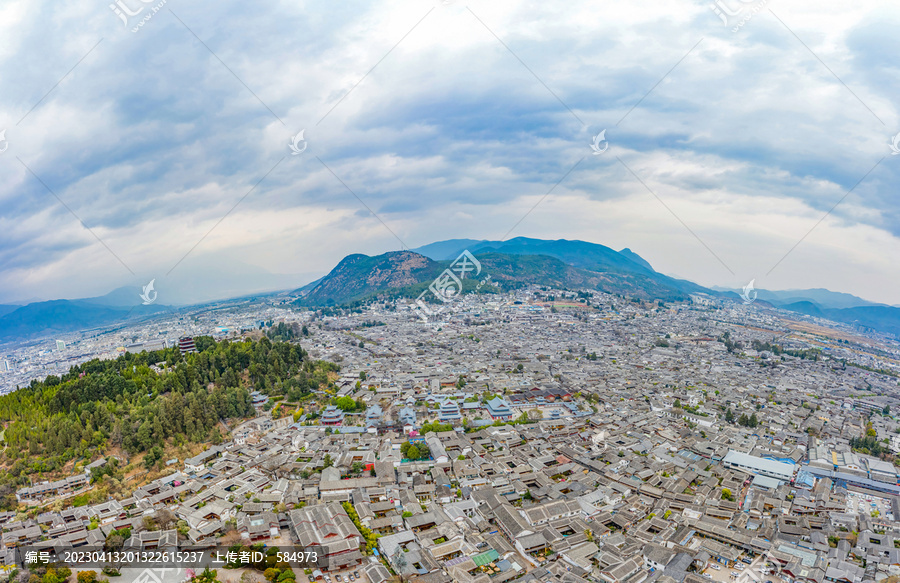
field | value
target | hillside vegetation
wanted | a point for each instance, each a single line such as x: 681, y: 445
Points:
x: 124, y: 404
x: 511, y: 264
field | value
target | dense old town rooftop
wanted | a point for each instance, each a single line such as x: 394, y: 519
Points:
x: 630, y: 443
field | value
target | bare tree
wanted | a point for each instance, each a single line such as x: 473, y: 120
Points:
x: 164, y: 518
x: 399, y: 561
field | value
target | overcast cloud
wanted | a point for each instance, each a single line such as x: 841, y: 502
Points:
x: 154, y: 136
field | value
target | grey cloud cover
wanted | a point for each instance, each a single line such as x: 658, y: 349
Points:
x: 151, y: 140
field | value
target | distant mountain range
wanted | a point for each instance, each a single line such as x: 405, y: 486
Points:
x: 5, y: 309
x: 514, y: 263
x: 834, y: 306
x: 571, y: 264
x: 822, y: 298
x: 60, y: 316
x: 876, y: 317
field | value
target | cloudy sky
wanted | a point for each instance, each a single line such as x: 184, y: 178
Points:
x: 757, y: 148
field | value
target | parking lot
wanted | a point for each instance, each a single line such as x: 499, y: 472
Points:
x: 354, y: 575
x: 731, y: 575
x: 721, y: 574
x: 865, y: 504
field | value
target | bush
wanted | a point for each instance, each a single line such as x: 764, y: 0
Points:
x: 436, y: 427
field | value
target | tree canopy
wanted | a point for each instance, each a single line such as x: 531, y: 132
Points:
x: 126, y: 403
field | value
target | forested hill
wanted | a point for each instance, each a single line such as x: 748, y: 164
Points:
x: 124, y: 403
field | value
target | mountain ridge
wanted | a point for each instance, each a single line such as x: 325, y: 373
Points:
x: 821, y: 297
x: 880, y: 318
x: 574, y: 264
x: 62, y: 316
x: 513, y: 263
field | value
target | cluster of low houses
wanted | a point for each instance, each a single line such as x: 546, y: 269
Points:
x: 453, y: 408
x: 67, y: 486
x: 572, y: 502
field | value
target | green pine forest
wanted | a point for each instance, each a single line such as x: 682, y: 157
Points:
x: 123, y: 403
